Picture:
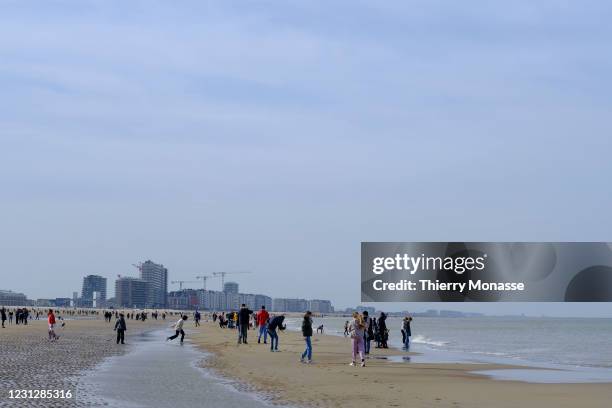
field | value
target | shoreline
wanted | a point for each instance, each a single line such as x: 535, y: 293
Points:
x: 329, y: 381
x: 516, y: 369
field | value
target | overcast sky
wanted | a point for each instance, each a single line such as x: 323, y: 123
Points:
x: 275, y: 137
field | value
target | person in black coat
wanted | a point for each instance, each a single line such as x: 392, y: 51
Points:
x: 120, y: 328
x: 307, y: 333
x: 382, y: 329
x: 244, y: 316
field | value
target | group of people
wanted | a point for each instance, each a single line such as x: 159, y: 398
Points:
x: 362, y: 329
x: 245, y: 318
x: 21, y: 316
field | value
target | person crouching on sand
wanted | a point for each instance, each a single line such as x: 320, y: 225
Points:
x: 307, y: 333
x: 178, y: 327
x: 276, y: 322
x: 51, y: 321
x: 357, y: 331
x: 120, y: 327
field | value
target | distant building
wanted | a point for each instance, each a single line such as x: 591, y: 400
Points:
x: 62, y: 302
x: 131, y: 292
x: 10, y: 298
x: 157, y: 277
x: 230, y: 287
x: 289, y: 305
x: 184, y: 299
x: 94, y: 286
x: 43, y: 303
x: 262, y: 300
x: 320, y: 306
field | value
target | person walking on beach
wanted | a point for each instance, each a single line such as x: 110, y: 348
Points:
x: 196, y: 318
x: 10, y: 317
x: 244, y: 315
x: 346, y: 328
x: 120, y: 327
x: 262, y: 322
x: 406, y: 332
x: 178, y: 327
x: 369, y: 332
x: 382, y: 330
x: 51, y: 322
x: 3, y: 316
x: 307, y: 333
x: 357, y: 331
x: 276, y: 322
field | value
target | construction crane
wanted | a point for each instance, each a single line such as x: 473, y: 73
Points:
x: 222, y: 275
x: 138, y: 266
x: 204, y: 278
x: 180, y: 282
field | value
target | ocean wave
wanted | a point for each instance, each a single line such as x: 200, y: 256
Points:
x: 419, y: 339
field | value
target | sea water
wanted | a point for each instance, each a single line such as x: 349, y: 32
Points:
x: 155, y: 373
x: 582, y: 346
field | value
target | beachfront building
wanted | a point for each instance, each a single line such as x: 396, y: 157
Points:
x: 262, y: 300
x: 215, y: 300
x: 63, y: 302
x: 93, y: 293
x: 290, y: 305
x: 230, y: 287
x: 131, y: 292
x: 10, y: 298
x: 157, y: 290
x: 184, y: 299
x: 320, y: 306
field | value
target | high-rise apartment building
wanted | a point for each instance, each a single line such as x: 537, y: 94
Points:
x: 157, y: 277
x: 131, y: 292
x: 93, y: 284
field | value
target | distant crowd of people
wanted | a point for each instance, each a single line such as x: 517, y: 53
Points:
x: 362, y: 329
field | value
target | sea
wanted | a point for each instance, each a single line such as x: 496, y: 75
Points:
x: 564, y: 349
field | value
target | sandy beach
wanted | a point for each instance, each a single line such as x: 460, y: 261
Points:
x: 29, y: 361
x: 331, y: 382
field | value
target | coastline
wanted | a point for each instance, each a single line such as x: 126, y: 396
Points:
x: 330, y: 381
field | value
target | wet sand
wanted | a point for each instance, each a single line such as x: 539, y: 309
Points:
x: 331, y: 382
x: 29, y: 361
x: 160, y: 374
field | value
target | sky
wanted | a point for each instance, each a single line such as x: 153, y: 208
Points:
x: 274, y: 137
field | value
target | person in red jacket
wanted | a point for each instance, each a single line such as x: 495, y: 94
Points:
x: 262, y: 322
x: 51, y: 321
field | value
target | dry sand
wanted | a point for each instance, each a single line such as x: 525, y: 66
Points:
x: 29, y: 361
x: 331, y: 382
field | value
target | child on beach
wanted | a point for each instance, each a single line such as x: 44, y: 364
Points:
x: 51, y: 322
x: 346, y: 328
x: 357, y: 331
x: 307, y: 333
x: 178, y: 327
